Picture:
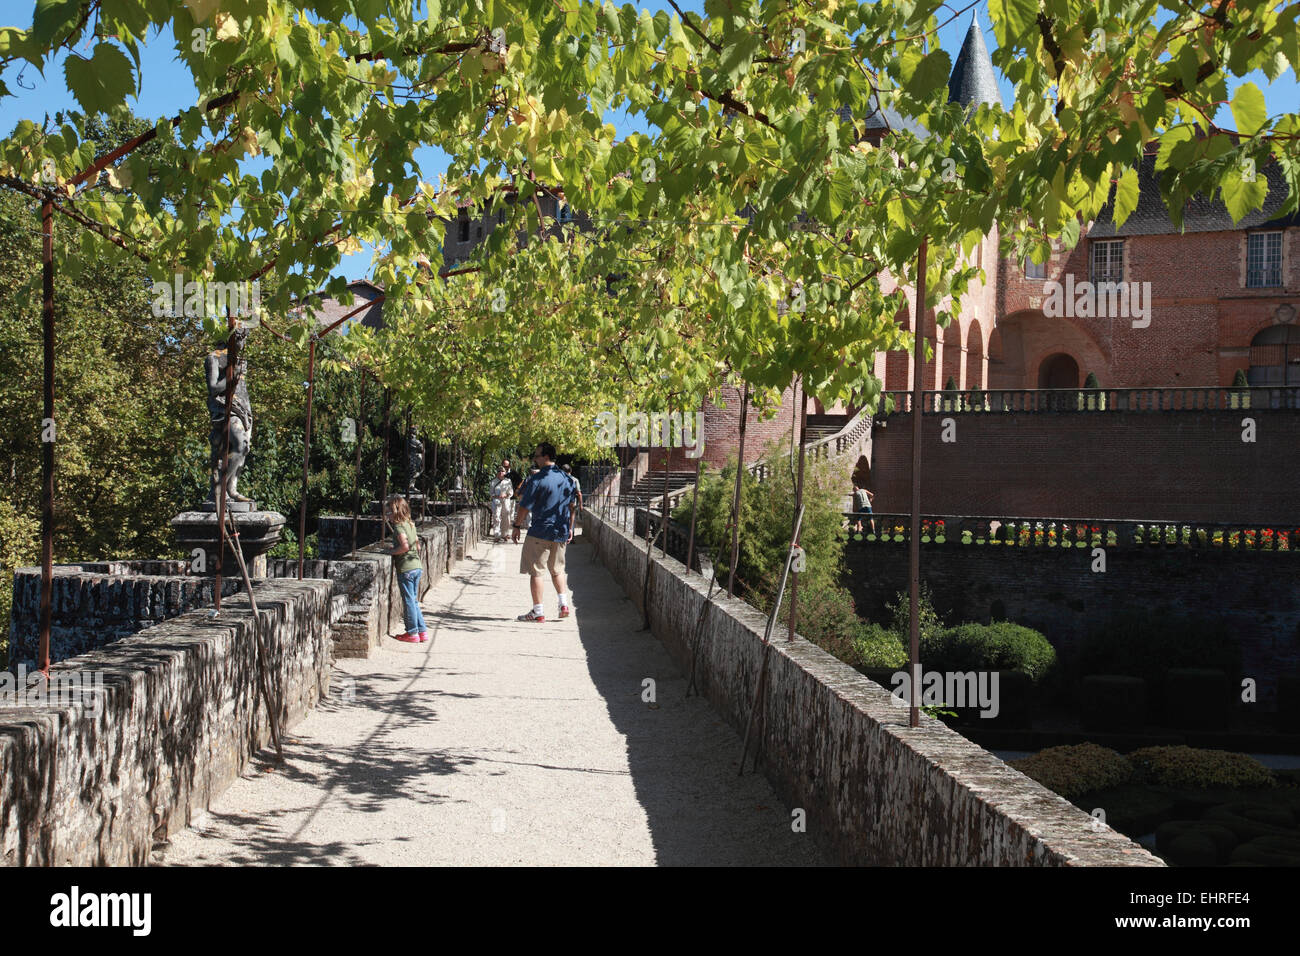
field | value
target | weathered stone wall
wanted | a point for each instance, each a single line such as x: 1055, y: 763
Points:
x: 334, y: 532
x: 1055, y: 591
x: 366, y: 578
x: 875, y: 791
x: 95, y: 603
x: 180, y: 718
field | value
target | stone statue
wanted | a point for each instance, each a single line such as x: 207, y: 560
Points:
x: 241, y: 416
x: 414, y: 460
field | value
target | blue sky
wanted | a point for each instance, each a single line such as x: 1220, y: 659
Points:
x: 167, y: 89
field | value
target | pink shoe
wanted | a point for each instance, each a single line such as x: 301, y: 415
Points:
x: 424, y: 636
x: 564, y: 611
x: 408, y: 638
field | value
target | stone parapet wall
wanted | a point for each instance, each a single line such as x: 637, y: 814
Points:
x: 97, y: 603
x: 180, y: 716
x: 874, y: 790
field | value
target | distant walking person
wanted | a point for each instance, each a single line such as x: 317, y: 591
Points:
x: 406, y: 562
x: 577, y: 485
x: 501, y: 490
x: 548, y: 501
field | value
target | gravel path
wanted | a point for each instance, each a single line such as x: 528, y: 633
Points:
x: 502, y: 743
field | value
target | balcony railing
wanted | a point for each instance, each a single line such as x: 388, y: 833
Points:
x: 1094, y: 400
x: 1074, y: 533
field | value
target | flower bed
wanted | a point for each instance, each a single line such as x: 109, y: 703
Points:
x: 1073, y: 533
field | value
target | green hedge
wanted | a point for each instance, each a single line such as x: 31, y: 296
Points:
x: 1077, y: 769
x: 1001, y: 646
x: 1149, y: 645
x: 1194, y: 768
x: 875, y: 646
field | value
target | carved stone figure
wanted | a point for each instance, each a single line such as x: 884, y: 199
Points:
x: 241, y: 417
x: 414, y: 460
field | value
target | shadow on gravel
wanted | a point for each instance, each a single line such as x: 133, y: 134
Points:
x: 683, y: 758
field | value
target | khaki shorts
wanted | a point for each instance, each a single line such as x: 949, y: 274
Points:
x: 540, y: 556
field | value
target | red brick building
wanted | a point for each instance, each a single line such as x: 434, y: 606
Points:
x: 1223, y: 297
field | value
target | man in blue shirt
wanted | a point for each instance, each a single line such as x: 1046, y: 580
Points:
x: 549, y: 498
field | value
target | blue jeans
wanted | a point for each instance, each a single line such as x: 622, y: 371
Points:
x: 409, y: 582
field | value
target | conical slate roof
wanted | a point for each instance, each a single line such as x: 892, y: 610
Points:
x: 972, y: 81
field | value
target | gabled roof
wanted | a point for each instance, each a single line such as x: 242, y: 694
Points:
x: 1202, y: 214
x: 973, y: 81
x: 887, y: 120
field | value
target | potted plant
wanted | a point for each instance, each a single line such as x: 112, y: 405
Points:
x: 1092, y: 399
x: 951, y: 397
x: 1239, y: 399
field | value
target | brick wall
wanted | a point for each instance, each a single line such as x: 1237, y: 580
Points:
x: 722, y: 432
x: 1175, y: 466
x: 1202, y: 316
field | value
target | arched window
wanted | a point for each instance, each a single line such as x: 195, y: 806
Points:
x: 1275, y: 356
x: 1058, y: 371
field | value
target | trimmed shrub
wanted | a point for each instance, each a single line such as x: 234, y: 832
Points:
x: 1002, y: 646
x: 1149, y: 645
x: 1220, y: 837
x: 1077, y: 769
x: 1197, y: 699
x: 1248, y: 821
x: 876, y: 647
x: 1194, y: 768
x: 1130, y: 809
x: 1288, y: 705
x: 1277, y: 850
x: 1193, y: 848
x: 1113, y: 703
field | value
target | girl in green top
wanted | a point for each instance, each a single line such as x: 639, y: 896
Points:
x: 406, y: 562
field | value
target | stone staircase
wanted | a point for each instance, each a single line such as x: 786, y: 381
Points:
x: 651, y: 485
x: 823, y: 426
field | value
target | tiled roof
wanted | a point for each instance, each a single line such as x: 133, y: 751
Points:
x: 1203, y: 214
x: 329, y: 310
x: 973, y: 81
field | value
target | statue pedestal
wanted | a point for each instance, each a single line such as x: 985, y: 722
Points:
x: 259, y: 531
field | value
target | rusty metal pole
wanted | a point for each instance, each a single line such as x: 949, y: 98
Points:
x: 735, y: 499
x: 47, y: 449
x: 695, y: 510
x: 232, y: 361
x: 356, y: 468
x: 663, y: 505
x: 914, y: 541
x: 424, y: 491
x: 306, y: 455
x: 383, y: 478
x: 435, y: 473
x: 798, y: 504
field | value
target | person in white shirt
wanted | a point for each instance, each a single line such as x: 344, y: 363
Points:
x: 501, y: 491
